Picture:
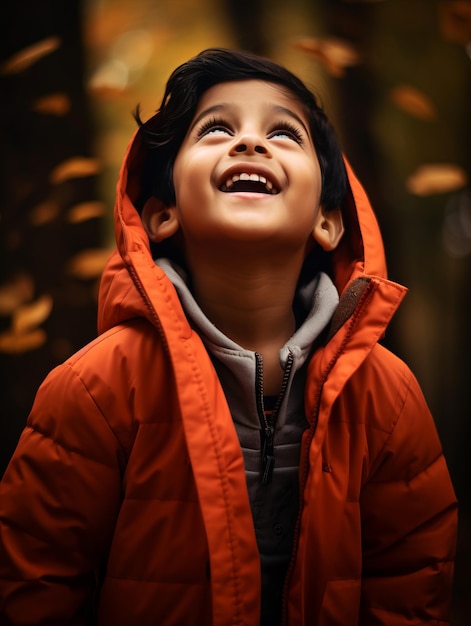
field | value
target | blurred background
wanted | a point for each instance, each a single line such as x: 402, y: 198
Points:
x: 395, y: 78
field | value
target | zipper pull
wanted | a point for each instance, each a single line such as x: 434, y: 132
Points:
x: 268, y: 457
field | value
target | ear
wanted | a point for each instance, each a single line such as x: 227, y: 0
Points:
x: 160, y: 221
x: 328, y: 228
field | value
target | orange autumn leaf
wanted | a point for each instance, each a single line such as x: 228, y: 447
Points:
x: 55, y: 104
x: 413, y: 102
x: 28, y: 56
x: 12, y: 294
x: 334, y: 53
x: 14, y: 343
x: 29, y: 316
x: 88, y: 263
x: 455, y: 20
x: 44, y: 213
x: 436, y: 178
x: 75, y: 167
x: 85, y: 211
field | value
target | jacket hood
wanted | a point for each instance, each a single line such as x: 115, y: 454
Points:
x: 132, y: 284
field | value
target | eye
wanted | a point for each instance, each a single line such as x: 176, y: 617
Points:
x: 214, y: 126
x: 287, y: 130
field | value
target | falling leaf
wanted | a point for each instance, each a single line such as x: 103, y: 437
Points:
x: 89, y: 263
x: 455, y: 20
x: 30, y: 55
x: 414, y: 102
x: 55, y: 104
x: 86, y: 211
x: 44, y: 213
x: 336, y: 54
x: 14, y: 343
x: 436, y: 178
x: 28, y: 316
x: 75, y: 168
x: 15, y: 292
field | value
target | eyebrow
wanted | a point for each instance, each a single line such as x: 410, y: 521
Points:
x: 292, y: 114
x: 206, y: 112
x: 224, y: 105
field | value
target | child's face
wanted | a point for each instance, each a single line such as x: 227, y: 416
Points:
x: 247, y: 130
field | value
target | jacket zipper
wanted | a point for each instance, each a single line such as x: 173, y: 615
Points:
x: 304, y: 467
x: 268, y: 425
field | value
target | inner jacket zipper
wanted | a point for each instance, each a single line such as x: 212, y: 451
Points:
x: 268, y: 425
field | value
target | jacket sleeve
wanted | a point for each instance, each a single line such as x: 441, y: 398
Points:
x: 409, y: 519
x: 59, y: 499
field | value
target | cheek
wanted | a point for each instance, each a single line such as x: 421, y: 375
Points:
x: 308, y: 182
x: 182, y: 182
x: 188, y: 179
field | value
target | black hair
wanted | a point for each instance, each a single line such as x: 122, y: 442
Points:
x: 164, y: 133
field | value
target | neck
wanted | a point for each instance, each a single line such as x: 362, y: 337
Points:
x: 247, y: 292
x: 258, y: 314
x: 254, y: 307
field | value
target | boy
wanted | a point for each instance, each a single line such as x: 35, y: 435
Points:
x: 236, y: 447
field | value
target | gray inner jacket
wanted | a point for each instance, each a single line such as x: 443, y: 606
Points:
x: 274, y: 499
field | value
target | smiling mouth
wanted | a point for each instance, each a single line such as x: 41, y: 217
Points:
x: 252, y: 183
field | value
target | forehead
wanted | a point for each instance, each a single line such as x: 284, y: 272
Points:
x: 249, y: 95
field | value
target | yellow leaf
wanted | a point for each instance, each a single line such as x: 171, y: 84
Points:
x: 86, y: 211
x: 15, y: 292
x: 28, y: 316
x: 89, y: 263
x: 13, y: 343
x: 436, y: 178
x: 75, y: 167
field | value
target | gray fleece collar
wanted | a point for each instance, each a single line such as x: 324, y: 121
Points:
x: 319, y: 298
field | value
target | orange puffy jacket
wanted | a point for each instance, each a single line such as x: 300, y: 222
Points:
x: 125, y: 502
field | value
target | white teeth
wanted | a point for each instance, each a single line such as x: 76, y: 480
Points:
x: 252, y: 177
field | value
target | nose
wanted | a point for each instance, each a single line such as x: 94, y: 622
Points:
x: 250, y: 143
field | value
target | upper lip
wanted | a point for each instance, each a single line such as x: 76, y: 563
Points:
x: 250, y: 168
